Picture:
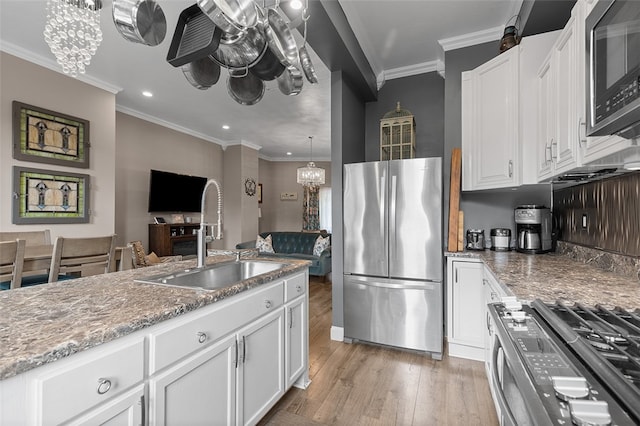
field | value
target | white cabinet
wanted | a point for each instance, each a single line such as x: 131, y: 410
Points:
x: 124, y: 410
x: 198, y: 390
x: 561, y: 100
x: 296, y: 336
x: 226, y: 363
x: 490, y: 146
x: 465, y: 297
x: 64, y: 390
x: 260, y: 367
x: 499, y: 117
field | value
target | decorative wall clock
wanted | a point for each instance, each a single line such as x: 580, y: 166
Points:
x: 250, y: 187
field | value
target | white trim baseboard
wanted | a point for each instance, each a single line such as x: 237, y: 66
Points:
x: 337, y: 333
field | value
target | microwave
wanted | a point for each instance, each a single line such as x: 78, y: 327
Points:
x: 613, y: 68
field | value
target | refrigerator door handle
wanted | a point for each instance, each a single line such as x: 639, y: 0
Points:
x: 372, y: 282
x: 383, y: 201
x: 392, y: 209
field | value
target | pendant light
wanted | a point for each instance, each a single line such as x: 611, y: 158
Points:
x: 310, y: 175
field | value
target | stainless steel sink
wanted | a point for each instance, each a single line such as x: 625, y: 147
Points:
x: 215, y: 276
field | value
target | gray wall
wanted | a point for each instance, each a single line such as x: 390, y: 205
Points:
x: 347, y: 146
x: 423, y: 95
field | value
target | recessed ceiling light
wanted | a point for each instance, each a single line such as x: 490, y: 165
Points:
x: 147, y: 93
x: 226, y: 126
x: 288, y: 153
x: 296, y: 4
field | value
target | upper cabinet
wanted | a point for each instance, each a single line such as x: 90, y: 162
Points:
x: 498, y: 124
x: 561, y: 105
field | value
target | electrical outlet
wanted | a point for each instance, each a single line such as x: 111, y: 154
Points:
x: 584, y: 221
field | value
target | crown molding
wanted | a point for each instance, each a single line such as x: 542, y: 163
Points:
x: 168, y: 124
x: 471, y: 39
x: 244, y: 143
x: 52, y: 65
x: 292, y: 159
x: 409, y: 70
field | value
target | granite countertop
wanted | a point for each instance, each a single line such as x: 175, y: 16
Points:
x: 555, y: 277
x: 44, y: 323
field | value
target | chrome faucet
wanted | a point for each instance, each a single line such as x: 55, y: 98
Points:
x: 203, y: 238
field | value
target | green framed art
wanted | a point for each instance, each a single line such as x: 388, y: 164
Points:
x: 46, y: 196
x: 44, y: 136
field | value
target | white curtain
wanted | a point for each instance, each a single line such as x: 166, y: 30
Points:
x: 325, y: 208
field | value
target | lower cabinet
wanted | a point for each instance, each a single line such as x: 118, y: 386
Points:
x: 199, y: 390
x: 260, y: 372
x: 125, y: 410
x: 225, y: 364
x: 470, y: 287
x: 465, y: 308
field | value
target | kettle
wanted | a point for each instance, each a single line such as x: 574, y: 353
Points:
x: 475, y: 239
x: 529, y: 239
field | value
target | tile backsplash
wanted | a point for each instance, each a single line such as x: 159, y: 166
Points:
x: 603, y: 214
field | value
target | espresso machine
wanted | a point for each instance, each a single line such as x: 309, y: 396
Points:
x: 533, y: 229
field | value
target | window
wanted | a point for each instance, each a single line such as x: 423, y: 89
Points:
x: 325, y: 208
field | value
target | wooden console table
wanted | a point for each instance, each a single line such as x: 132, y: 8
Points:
x: 170, y: 239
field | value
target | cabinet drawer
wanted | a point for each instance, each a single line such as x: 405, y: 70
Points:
x: 294, y: 287
x: 198, y: 329
x: 86, y: 380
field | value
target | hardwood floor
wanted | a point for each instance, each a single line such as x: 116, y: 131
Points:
x: 359, y: 384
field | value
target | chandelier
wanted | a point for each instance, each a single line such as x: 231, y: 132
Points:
x: 310, y: 175
x: 73, y: 33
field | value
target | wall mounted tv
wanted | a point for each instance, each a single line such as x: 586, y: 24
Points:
x: 172, y: 192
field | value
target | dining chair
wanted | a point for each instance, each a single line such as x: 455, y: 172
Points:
x: 31, y: 238
x: 11, y: 260
x: 75, y: 257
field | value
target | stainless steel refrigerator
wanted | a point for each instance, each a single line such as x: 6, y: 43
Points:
x: 393, y: 253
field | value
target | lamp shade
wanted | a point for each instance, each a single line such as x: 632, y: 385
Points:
x: 310, y: 175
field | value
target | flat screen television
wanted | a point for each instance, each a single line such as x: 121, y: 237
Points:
x: 172, y: 192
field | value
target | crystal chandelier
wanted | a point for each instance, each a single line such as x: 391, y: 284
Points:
x: 310, y: 175
x: 73, y: 32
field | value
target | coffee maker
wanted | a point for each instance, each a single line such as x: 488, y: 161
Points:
x: 533, y: 229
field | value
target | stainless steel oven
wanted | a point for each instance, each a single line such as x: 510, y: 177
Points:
x: 613, y: 68
x: 555, y: 365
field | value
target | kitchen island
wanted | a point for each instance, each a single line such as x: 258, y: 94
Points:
x: 51, y: 331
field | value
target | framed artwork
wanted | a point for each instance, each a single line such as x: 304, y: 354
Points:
x: 177, y: 218
x: 260, y: 193
x: 46, y: 196
x: 44, y: 136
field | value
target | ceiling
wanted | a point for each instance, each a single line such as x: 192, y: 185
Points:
x: 398, y: 37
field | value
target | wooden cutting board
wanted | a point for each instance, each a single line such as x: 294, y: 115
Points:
x: 460, y: 230
x: 454, y: 198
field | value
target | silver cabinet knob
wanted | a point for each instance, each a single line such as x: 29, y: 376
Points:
x: 267, y: 304
x: 298, y: 288
x: 103, y: 386
x: 202, y: 337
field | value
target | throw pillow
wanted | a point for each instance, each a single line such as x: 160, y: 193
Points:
x: 153, y: 258
x: 264, y: 245
x: 139, y: 257
x: 320, y: 245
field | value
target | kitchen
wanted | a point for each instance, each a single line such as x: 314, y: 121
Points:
x: 503, y: 202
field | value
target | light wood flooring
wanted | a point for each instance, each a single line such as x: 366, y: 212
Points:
x: 359, y: 384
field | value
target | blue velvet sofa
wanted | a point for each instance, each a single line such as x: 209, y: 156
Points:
x: 297, y: 245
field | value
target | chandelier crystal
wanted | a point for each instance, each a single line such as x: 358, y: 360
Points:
x: 73, y: 32
x: 310, y: 175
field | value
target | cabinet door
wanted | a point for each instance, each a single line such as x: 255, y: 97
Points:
x: 125, y: 410
x: 296, y: 348
x: 569, y: 76
x: 467, y: 304
x: 546, y: 120
x: 199, y: 390
x: 492, y: 143
x: 261, y: 371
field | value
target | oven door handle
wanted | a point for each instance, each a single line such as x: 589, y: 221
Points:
x: 502, y: 400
